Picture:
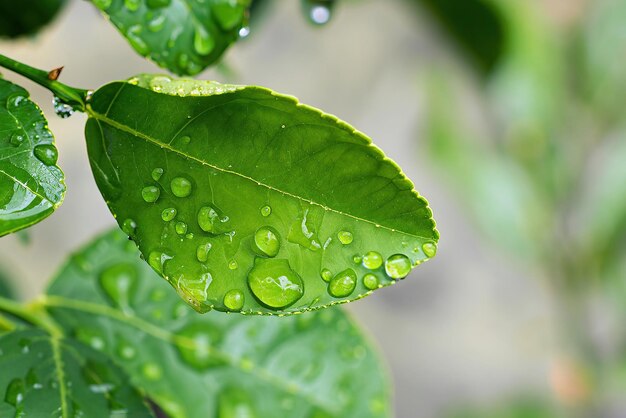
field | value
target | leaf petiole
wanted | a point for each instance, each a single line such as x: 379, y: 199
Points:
x: 33, y: 313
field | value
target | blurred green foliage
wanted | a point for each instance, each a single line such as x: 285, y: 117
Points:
x: 26, y: 17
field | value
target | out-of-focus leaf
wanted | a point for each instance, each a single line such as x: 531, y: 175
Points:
x: 246, y: 200
x: 26, y: 17
x: 31, y: 184
x: 312, y: 365
x: 184, y: 36
x: 6, y: 290
x: 475, y: 25
x: 43, y: 376
x: 523, y: 408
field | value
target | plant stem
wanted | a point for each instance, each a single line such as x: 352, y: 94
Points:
x: 77, y: 98
x: 34, y: 313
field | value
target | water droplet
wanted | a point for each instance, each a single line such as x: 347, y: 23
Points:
x: 208, y: 218
x: 32, y: 380
x: 46, y: 153
x: 370, y: 281
x: 91, y: 337
x: 157, y: 260
x: 398, y: 266
x: 195, y: 347
x: 430, y: 249
x: 342, y: 284
x: 357, y: 259
x: 303, y: 234
x: 181, y: 228
x: 184, y: 140
x: 14, y: 394
x: 157, y: 173
x: 61, y: 108
x: 244, y: 32
x: 202, y: 252
x: 150, y: 194
x: 267, y: 241
x: 17, y: 139
x: 157, y: 24
x: 232, y: 265
x: 119, y: 282
x: 181, y: 187
x: 203, y: 42
x: 372, y: 260
x: 152, y: 371
x: 132, y: 5
x: 345, y: 237
x: 228, y: 15
x: 233, y: 402
x: 326, y: 275
x: 319, y: 11
x: 266, y: 211
x: 133, y: 35
x: 126, y: 351
x: 168, y: 214
x: 233, y: 299
x: 274, y: 283
x: 157, y: 4
x: 129, y: 227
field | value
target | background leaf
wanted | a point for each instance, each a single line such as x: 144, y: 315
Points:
x: 312, y: 365
x: 245, y: 200
x: 47, y: 377
x: 31, y: 184
x: 184, y: 36
x: 26, y: 17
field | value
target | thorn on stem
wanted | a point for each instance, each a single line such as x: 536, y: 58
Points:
x: 54, y: 74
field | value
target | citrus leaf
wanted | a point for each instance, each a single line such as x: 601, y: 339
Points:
x: 246, y: 200
x: 184, y: 36
x: 43, y: 376
x: 26, y: 17
x: 31, y: 185
x: 312, y: 365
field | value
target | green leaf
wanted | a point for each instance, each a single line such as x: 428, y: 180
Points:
x: 312, y: 365
x: 26, y: 17
x: 43, y: 376
x: 184, y: 36
x: 246, y: 200
x: 31, y: 184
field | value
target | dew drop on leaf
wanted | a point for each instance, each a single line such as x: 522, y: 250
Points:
x: 372, y: 260
x: 326, y: 275
x: 14, y: 394
x: 274, y: 283
x: 203, y: 42
x: 150, y: 194
x: 46, y: 153
x: 398, y: 266
x: 126, y: 351
x: 61, y: 108
x: 342, y: 284
x: 345, y: 237
x: 129, y: 227
x: 232, y: 265
x: 16, y: 139
x: 181, y: 228
x: 370, y: 281
x: 266, y: 211
x: 430, y: 249
x: 267, y: 241
x: 151, y: 371
x: 181, y: 187
x: 157, y: 173
x: 157, y: 260
x: 194, y: 343
x: 202, y: 252
x: 168, y: 214
x: 133, y: 34
x: 233, y: 299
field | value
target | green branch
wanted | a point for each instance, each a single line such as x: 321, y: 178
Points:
x: 34, y: 313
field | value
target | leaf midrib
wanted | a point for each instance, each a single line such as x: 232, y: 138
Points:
x: 113, y: 123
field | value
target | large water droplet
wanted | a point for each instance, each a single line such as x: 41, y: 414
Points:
x: 345, y: 237
x: 202, y: 252
x: 157, y: 260
x: 196, y: 342
x: 372, y: 260
x: 342, y: 284
x: 168, y: 214
x: 233, y: 299
x: 46, y: 153
x: 181, y: 187
x: 430, y: 249
x: 274, y: 283
x: 119, y: 283
x: 150, y: 194
x: 157, y: 173
x: 398, y: 266
x: 156, y: 24
x: 203, y: 42
x: 370, y: 281
x: 303, y: 234
x: 61, y: 108
x: 266, y: 210
x: 267, y: 241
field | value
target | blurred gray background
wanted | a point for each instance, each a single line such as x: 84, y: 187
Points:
x: 467, y: 327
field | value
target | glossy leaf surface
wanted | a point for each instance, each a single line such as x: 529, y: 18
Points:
x: 31, y: 184
x: 48, y: 377
x: 234, y: 189
x: 184, y: 36
x: 312, y: 365
x: 26, y: 17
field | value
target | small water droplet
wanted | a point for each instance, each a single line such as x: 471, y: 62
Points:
x: 126, y: 351
x: 398, y: 266
x: 266, y: 211
x: 17, y: 139
x: 181, y: 228
x: 168, y: 214
x: 61, y: 108
x: 345, y: 237
x: 326, y: 275
x: 203, y: 42
x: 319, y: 11
x: 202, y: 252
x: 150, y: 194
x: 133, y: 35
x: 156, y: 24
x: 152, y: 371
x: 274, y: 283
x: 197, y: 342
x: 132, y: 5
x: 430, y: 249
x: 370, y: 281
x: 244, y: 32
x: 357, y: 259
x: 372, y: 260
x: 184, y: 140
x: 129, y: 227
x: 342, y: 284
x: 157, y: 173
x: 267, y: 241
x: 46, y: 153
x: 233, y: 299
x: 232, y: 265
x: 14, y: 394
x: 181, y: 187
x: 32, y: 380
